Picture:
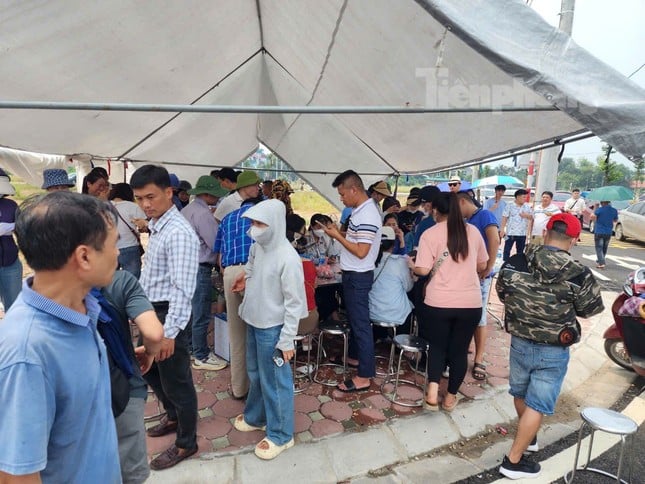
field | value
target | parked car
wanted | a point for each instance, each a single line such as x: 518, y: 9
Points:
x: 559, y: 198
x: 592, y: 205
x: 631, y: 222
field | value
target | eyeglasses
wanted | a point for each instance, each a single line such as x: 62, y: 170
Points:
x: 453, y: 184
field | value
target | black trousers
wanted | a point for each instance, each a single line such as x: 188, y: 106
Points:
x: 449, y: 331
x: 172, y: 382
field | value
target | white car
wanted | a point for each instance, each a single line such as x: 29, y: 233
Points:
x: 631, y: 222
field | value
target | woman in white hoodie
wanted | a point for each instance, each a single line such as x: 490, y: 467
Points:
x: 274, y: 302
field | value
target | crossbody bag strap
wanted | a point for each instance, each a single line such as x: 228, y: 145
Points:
x: 134, y: 232
x: 438, y: 262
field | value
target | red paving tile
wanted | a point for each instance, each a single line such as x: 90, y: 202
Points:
x: 205, y: 399
x: 338, y: 411
x: 228, y: 408
x: 377, y: 401
x: 151, y: 408
x: 204, y: 445
x: 306, y: 403
x: 245, y: 439
x: 157, y: 445
x: 369, y: 416
x: 325, y: 428
x: 213, y: 427
x: 402, y: 410
x: 301, y: 423
x: 216, y: 385
x: 471, y: 391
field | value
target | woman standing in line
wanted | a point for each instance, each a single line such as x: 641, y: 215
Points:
x: 451, y: 253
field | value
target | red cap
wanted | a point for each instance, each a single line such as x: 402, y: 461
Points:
x: 572, y: 224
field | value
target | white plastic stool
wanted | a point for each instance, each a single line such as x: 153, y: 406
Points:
x: 605, y: 420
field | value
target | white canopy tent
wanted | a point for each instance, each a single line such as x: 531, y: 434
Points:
x: 442, y: 54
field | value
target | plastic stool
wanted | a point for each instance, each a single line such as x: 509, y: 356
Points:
x: 387, y: 325
x: 301, y: 381
x: 333, y: 328
x: 604, y: 420
x: 412, y: 344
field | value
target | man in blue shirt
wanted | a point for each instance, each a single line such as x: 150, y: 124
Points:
x: 486, y: 223
x: 605, y: 217
x: 496, y: 204
x: 56, y: 419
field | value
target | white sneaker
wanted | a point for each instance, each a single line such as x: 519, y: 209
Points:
x: 213, y: 363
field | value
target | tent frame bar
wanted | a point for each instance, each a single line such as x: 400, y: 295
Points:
x: 257, y: 109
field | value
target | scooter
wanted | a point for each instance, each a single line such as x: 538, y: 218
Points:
x: 625, y: 339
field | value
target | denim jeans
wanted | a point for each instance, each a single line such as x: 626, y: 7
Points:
x: 270, y: 398
x: 10, y: 283
x: 356, y: 290
x: 602, y: 244
x: 518, y: 240
x: 130, y: 260
x: 172, y: 382
x: 202, y: 311
x: 485, y: 285
x: 536, y: 373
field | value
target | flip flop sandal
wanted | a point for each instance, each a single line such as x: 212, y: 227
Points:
x: 240, y: 424
x: 273, y: 450
x: 350, y: 387
x: 449, y: 408
x: 479, y: 371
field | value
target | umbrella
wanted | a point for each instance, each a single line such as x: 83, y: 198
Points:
x: 611, y: 194
x: 445, y: 188
x: 491, y: 181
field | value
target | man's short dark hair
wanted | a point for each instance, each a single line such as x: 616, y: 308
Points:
x: 348, y: 179
x: 519, y: 192
x: 147, y: 174
x: 547, y: 192
x: 122, y: 191
x: 575, y: 190
x: 558, y: 232
x: 501, y: 188
x: 50, y: 227
x: 226, y: 173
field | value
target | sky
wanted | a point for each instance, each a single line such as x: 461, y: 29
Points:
x: 614, y: 32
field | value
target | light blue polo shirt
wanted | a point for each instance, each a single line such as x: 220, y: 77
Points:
x: 56, y: 415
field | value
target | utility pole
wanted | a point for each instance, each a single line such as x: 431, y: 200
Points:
x: 548, y: 170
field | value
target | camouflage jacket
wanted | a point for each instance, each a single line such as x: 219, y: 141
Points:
x: 543, y: 292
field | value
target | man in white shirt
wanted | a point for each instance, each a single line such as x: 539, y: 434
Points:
x: 575, y: 205
x: 359, y: 249
x: 541, y: 215
x: 248, y: 186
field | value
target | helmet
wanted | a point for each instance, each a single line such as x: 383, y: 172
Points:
x: 635, y: 282
x: 638, y: 285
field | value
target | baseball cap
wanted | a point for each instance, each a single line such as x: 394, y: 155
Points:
x: 570, y: 225
x: 428, y: 193
x: 174, y: 181
x: 387, y: 233
x: 247, y: 178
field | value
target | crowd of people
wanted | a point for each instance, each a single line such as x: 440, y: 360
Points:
x: 432, y: 259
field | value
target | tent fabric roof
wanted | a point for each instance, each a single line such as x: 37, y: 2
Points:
x: 441, y: 53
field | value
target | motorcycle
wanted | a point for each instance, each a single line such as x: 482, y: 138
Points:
x: 625, y: 339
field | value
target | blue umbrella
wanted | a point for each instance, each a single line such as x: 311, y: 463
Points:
x: 445, y: 188
x: 491, y: 181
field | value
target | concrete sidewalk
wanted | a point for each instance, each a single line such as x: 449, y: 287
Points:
x: 398, y: 447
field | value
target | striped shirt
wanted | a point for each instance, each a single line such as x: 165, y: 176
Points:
x: 232, y: 240
x: 170, y: 268
x: 364, y: 227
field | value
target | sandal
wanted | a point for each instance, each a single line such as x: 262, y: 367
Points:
x: 479, y: 371
x: 432, y: 407
x: 273, y: 450
x: 449, y: 408
x: 240, y: 424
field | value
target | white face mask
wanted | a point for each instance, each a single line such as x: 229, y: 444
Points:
x: 319, y: 232
x: 260, y: 234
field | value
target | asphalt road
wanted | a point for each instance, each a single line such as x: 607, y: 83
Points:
x: 622, y: 258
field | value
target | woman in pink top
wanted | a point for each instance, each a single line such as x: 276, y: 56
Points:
x: 452, y: 303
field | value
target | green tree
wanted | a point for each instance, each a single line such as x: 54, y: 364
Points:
x: 611, y: 172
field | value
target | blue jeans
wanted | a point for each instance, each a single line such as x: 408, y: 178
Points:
x: 602, y: 244
x: 356, y: 290
x: 270, y: 398
x: 518, y: 240
x: 536, y: 373
x: 130, y: 260
x: 202, y: 311
x: 10, y: 283
x: 485, y: 288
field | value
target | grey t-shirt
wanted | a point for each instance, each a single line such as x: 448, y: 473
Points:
x: 127, y: 297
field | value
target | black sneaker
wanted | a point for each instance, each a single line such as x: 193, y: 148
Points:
x: 524, y: 468
x: 533, y: 446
